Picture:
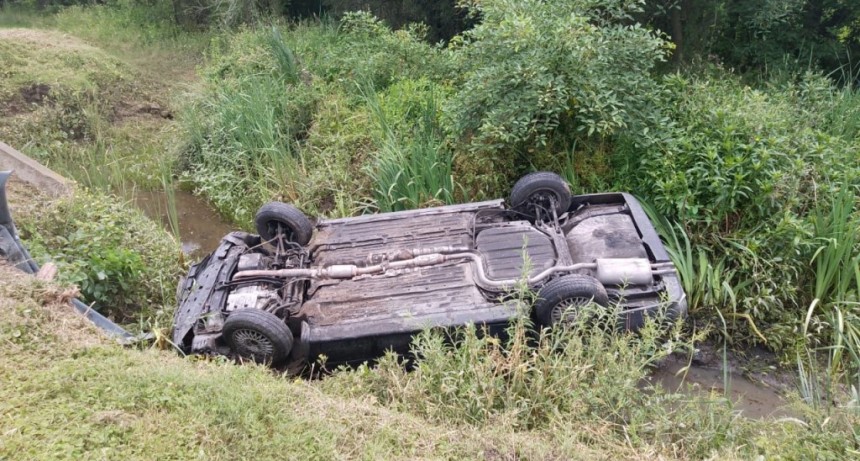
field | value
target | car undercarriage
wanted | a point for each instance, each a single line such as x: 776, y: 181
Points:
x: 350, y: 289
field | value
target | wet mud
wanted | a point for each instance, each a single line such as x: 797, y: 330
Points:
x: 752, y: 379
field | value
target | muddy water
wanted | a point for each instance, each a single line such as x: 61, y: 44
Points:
x: 200, y: 227
x: 752, y: 399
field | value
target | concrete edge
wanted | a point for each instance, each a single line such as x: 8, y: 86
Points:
x: 34, y: 173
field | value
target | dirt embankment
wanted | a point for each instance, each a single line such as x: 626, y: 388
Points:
x: 54, y: 82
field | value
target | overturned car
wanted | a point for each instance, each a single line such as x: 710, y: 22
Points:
x: 352, y: 288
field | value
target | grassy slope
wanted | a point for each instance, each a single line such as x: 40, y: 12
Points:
x: 70, y: 395
x: 76, y: 96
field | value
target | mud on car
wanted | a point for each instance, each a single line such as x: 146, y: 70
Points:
x: 352, y: 288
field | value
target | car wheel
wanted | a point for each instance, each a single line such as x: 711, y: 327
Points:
x: 258, y: 335
x: 540, y: 190
x: 560, y: 300
x: 276, y: 217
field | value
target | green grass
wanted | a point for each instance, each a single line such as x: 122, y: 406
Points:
x: 71, y: 395
x: 413, y: 168
x: 836, y: 291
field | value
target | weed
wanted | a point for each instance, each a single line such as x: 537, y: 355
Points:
x: 120, y: 259
x: 837, y: 258
x: 413, y: 168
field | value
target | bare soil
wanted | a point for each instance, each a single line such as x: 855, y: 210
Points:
x: 125, y: 110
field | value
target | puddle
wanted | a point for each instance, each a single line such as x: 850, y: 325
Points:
x: 200, y: 227
x: 753, y: 400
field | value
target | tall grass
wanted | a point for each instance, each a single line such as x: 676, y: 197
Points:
x: 708, y: 283
x: 842, y: 110
x: 835, y: 227
x: 580, y: 384
x: 836, y: 294
x: 284, y: 57
x: 244, y: 131
x: 843, y: 119
x: 169, y: 186
x: 412, y: 169
x: 247, y: 147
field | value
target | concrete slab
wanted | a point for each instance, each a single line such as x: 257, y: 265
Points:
x: 32, y: 172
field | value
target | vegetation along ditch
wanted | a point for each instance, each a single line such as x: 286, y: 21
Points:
x: 736, y: 122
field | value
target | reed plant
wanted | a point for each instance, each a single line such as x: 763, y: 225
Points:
x: 834, y: 308
x: 413, y: 167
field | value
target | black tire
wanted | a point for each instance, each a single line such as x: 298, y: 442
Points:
x: 275, y: 215
x: 258, y: 335
x: 559, y: 299
x: 536, y: 189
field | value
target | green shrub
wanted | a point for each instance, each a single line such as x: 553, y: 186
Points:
x: 364, y: 49
x: 122, y: 261
x: 742, y: 169
x: 535, y: 70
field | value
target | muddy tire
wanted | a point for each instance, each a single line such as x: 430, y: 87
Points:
x: 275, y: 217
x: 560, y: 299
x: 258, y: 335
x: 540, y: 190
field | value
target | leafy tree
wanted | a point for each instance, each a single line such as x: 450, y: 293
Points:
x: 751, y: 34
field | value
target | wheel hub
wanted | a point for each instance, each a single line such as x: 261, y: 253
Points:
x: 253, y: 344
x: 281, y: 229
x: 566, y: 310
x: 543, y: 202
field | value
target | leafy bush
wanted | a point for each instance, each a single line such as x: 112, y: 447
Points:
x: 733, y: 157
x: 367, y: 50
x: 444, y: 18
x: 533, y: 70
x: 742, y: 169
x: 122, y: 261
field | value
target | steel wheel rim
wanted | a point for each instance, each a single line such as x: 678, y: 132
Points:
x: 253, y: 344
x: 566, y: 309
